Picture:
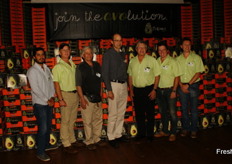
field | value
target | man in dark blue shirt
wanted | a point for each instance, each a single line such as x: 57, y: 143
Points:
x: 114, y: 74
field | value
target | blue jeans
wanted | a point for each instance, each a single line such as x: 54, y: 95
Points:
x: 167, y: 107
x: 43, y: 114
x: 189, y: 103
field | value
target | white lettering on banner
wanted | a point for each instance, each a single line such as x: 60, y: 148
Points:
x: 65, y: 18
x: 90, y: 16
x: 221, y: 151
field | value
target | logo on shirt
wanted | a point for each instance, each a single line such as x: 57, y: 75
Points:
x: 147, y: 69
x: 165, y: 67
x: 190, y: 63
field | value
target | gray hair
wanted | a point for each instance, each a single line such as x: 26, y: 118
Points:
x: 140, y: 42
x: 84, y: 49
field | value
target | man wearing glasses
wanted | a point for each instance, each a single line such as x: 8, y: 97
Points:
x: 114, y: 74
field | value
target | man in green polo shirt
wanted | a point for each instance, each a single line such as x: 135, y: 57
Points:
x: 65, y: 86
x: 144, y: 74
x: 166, y: 92
x: 192, y: 66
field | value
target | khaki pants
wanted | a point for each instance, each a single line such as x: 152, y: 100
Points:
x: 68, y: 118
x: 116, y: 110
x: 92, y: 119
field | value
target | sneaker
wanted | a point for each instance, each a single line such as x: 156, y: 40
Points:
x: 161, y: 134
x: 193, y: 135
x: 70, y: 150
x: 43, y: 157
x: 172, y: 137
x: 91, y: 147
x: 183, y: 133
x: 114, y: 143
x: 101, y: 143
x: 51, y: 147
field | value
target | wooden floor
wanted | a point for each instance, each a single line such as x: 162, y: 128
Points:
x: 184, y: 150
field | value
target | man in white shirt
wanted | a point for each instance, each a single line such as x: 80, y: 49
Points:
x: 42, y: 90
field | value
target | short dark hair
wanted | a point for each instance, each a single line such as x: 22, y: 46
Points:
x: 37, y: 49
x: 62, y: 45
x: 162, y: 43
x: 185, y: 39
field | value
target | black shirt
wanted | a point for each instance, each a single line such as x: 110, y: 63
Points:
x: 114, y: 67
x: 90, y: 79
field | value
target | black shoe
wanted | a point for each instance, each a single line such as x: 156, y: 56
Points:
x: 139, y: 139
x: 51, y: 147
x: 114, y: 143
x: 149, y: 139
x: 122, y: 139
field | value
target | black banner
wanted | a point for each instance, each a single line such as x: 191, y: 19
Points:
x: 83, y: 21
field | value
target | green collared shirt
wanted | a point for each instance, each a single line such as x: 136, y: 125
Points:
x: 169, y: 70
x: 64, y: 74
x: 190, y: 66
x: 144, y: 73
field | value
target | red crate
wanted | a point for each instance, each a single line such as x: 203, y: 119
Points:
x: 30, y: 129
x: 10, y: 92
x: 26, y: 107
x: 13, y: 113
x: 151, y: 41
x: 105, y: 43
x: 11, y: 103
x: 83, y: 43
x: 25, y: 96
x: 129, y: 41
x: 28, y: 118
x: 14, y: 125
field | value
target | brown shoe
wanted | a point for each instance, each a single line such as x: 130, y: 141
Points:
x: 101, y: 143
x: 70, y: 150
x: 91, y: 147
x: 161, y: 134
x: 183, y: 133
x: 193, y: 135
x: 172, y: 137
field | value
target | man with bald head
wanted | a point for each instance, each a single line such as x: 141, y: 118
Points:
x: 114, y: 74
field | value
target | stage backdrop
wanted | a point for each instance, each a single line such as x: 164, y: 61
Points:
x: 83, y: 21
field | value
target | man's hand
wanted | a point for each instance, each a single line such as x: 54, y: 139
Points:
x: 110, y: 95
x: 51, y: 102
x: 184, y: 88
x: 84, y: 103
x: 152, y: 95
x: 62, y: 103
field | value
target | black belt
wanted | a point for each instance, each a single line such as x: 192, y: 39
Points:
x: 118, y: 81
x: 165, y: 88
x: 74, y: 91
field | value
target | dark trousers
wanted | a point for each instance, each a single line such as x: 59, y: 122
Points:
x: 43, y: 114
x: 167, y: 108
x: 189, y: 103
x: 144, y: 111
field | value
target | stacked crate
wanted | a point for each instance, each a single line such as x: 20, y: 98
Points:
x: 206, y: 20
x: 17, y: 25
x: 39, y: 27
x: 186, y: 21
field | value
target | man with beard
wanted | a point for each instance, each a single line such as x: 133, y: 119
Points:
x: 42, y: 90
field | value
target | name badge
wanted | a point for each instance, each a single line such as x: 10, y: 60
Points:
x: 147, y: 69
x: 190, y: 63
x: 165, y: 67
x: 98, y: 75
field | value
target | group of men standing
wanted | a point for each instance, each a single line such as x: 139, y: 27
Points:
x: 148, y: 79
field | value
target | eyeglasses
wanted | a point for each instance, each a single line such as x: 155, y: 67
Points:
x: 117, y: 40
